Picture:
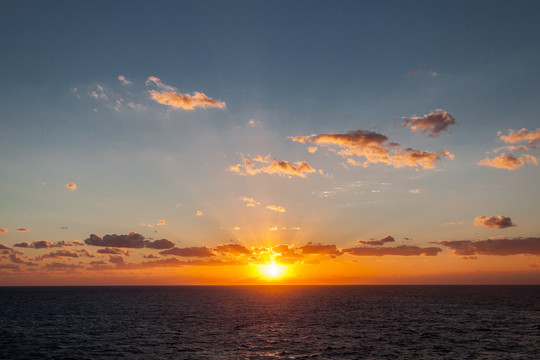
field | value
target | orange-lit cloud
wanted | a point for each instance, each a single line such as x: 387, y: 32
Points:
x: 499, y: 222
x: 511, y: 148
x: 312, y: 149
x: 161, y: 222
x: 276, y: 208
x: 500, y: 247
x: 509, y: 161
x: 3, y: 230
x: 253, y: 122
x: 23, y: 230
x: 199, y: 213
x: 269, y: 165
x: 415, y: 191
x: 522, y: 135
x: 403, y: 250
x: 123, y: 80
x: 250, y: 202
x: 71, y: 186
x: 373, y: 242
x: 451, y: 223
x: 200, y: 251
x: 448, y: 154
x: 432, y: 124
x: 170, y: 97
x: 374, y: 147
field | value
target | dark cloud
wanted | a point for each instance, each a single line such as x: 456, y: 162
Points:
x: 23, y: 230
x: 500, y: 247
x: 403, y: 250
x: 19, y: 260
x: 159, y: 244
x: 61, y: 266
x: 114, y: 251
x: 498, y: 222
x: 321, y: 249
x: 201, y: 251
x: 65, y: 253
x: 132, y: 240
x: 432, y: 124
x: 377, y: 242
x: 232, y: 249
x: 118, y: 260
x: 43, y: 244
x: 11, y: 267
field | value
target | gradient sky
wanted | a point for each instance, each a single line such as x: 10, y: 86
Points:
x: 356, y: 142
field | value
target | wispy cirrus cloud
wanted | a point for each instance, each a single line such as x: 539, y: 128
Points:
x: 269, y: 165
x: 168, y: 95
x: 498, y: 222
x: 23, y: 230
x: 403, y: 250
x: 374, y: 147
x: 509, y: 162
x: 432, y: 124
x: 500, y: 247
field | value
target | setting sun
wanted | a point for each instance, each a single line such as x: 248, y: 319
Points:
x: 272, y: 271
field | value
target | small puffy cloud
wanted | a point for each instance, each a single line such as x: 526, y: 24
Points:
x: 432, y: 124
x: 161, y: 222
x: 269, y: 165
x: 114, y: 251
x: 500, y: 247
x: 374, y: 147
x: 498, y: 222
x: 273, y: 228
x: 374, y: 242
x: 250, y: 202
x: 448, y: 154
x: 23, y: 230
x: 3, y: 230
x: 233, y: 249
x: 118, y: 260
x: 253, y: 122
x: 276, y: 208
x: 509, y: 161
x: 200, y: 251
x: 522, y: 135
x: 199, y: 213
x: 415, y: 191
x: 312, y: 149
x: 123, y: 80
x: 321, y: 249
x: 159, y: 244
x: 131, y: 240
x: 403, y: 250
x: 71, y: 186
x: 169, y: 96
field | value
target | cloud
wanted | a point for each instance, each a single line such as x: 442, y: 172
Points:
x: 522, y: 135
x: 415, y: 191
x: 380, y: 242
x: 276, y: 208
x: 321, y: 249
x: 499, y: 247
x: 11, y: 267
x: 509, y: 161
x: 23, y: 230
x: 250, y: 202
x: 132, y: 240
x: 19, y: 260
x: 114, y: 251
x: 312, y: 149
x: 451, y: 223
x: 403, y: 250
x: 159, y: 244
x: 499, y: 222
x: 43, y: 244
x: 71, y: 186
x: 199, y: 213
x: 253, y: 122
x: 432, y: 124
x: 448, y: 154
x: 118, y: 260
x: 161, y: 222
x: 123, y: 80
x: 511, y: 148
x: 58, y: 266
x: 170, y: 97
x: 65, y: 253
x: 269, y: 165
x: 232, y: 249
x: 374, y: 147
x: 3, y: 230
x: 201, y: 251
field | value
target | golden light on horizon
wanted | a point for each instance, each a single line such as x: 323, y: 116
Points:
x: 272, y: 271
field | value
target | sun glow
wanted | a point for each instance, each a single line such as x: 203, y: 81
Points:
x: 272, y: 271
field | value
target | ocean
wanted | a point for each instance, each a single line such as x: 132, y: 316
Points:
x: 270, y: 322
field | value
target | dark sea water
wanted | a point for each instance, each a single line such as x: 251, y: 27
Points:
x: 271, y: 322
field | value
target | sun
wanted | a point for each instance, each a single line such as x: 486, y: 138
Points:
x: 272, y: 271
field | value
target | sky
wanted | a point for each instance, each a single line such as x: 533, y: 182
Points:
x: 264, y: 142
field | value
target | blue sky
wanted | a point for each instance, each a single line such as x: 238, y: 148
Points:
x: 283, y: 69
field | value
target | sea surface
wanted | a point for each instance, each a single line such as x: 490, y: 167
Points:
x: 270, y: 322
